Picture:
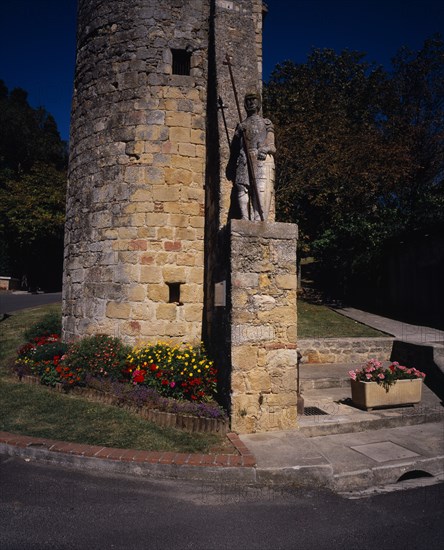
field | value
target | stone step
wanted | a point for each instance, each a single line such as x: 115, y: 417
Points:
x: 325, y: 375
x: 330, y: 411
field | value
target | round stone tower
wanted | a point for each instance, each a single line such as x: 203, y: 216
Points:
x: 141, y: 173
x: 135, y: 207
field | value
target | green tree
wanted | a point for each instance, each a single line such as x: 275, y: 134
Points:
x: 32, y: 191
x: 349, y: 156
x: 32, y: 206
x: 27, y: 135
x: 417, y: 117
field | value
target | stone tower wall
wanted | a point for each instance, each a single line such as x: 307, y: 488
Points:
x: 236, y: 30
x: 147, y: 191
x: 135, y: 204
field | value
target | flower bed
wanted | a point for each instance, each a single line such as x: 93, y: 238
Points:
x: 154, y: 380
x: 173, y: 371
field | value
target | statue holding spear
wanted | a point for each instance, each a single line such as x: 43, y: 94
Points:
x: 251, y: 164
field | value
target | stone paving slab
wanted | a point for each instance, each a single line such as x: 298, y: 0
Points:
x: 350, y: 468
x: 399, y: 329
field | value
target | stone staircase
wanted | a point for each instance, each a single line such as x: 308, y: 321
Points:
x: 328, y: 408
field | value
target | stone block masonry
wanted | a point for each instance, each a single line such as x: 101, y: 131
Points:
x: 344, y: 350
x: 138, y: 203
x: 262, y: 295
x: 135, y: 207
x: 148, y: 197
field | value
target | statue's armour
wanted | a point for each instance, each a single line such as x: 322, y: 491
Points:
x: 255, y: 130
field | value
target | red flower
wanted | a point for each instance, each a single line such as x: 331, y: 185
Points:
x: 138, y: 376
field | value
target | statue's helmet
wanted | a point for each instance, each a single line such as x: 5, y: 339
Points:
x: 253, y: 95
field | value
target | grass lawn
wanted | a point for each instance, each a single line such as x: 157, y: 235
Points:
x: 38, y: 411
x: 318, y: 321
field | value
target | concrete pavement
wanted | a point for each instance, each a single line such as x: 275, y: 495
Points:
x: 403, y: 331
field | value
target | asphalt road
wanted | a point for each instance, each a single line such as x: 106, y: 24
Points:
x: 44, y: 506
x: 10, y: 302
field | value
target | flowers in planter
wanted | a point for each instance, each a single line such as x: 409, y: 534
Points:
x: 376, y: 371
x: 173, y: 371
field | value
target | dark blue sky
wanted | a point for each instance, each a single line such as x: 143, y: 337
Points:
x: 37, y: 39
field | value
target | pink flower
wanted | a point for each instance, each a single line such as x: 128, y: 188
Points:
x: 172, y: 384
x: 368, y: 376
x: 381, y: 376
x: 352, y: 374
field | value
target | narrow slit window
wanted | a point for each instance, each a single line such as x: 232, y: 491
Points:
x: 174, y: 296
x: 181, y: 62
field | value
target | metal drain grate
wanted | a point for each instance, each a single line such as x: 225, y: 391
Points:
x: 313, y: 411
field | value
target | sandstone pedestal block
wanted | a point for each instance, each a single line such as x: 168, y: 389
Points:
x: 263, y: 325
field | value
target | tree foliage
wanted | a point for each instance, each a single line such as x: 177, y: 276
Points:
x: 32, y: 191
x: 359, y: 151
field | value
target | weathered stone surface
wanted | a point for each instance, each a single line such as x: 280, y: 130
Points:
x: 344, y: 350
x: 148, y: 195
x: 263, y: 327
x: 138, y: 154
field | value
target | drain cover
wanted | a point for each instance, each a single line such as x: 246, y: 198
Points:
x: 383, y: 451
x: 313, y: 411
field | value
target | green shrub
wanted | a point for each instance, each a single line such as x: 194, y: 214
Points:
x: 49, y: 324
x: 98, y: 355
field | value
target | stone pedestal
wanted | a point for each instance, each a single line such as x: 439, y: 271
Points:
x: 262, y: 297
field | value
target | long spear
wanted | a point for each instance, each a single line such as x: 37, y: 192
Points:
x: 251, y: 173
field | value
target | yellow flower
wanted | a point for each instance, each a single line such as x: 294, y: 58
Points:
x: 191, y: 374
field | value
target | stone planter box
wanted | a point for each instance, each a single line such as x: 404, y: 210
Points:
x: 370, y: 395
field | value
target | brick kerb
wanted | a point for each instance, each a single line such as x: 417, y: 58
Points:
x: 21, y: 445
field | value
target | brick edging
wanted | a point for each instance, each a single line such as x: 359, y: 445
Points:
x: 244, y: 459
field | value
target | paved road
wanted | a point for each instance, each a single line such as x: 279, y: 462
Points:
x: 10, y: 302
x: 43, y: 506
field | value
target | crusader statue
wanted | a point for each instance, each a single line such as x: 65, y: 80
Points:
x: 253, y: 176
